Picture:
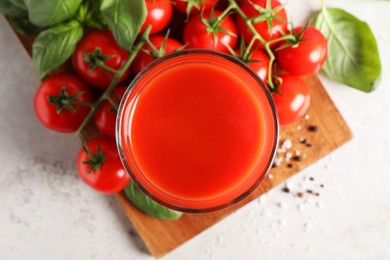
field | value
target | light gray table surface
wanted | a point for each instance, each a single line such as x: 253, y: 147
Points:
x: 46, y: 212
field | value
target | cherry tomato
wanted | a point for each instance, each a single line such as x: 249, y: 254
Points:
x: 269, y: 31
x: 100, y: 46
x: 307, y: 56
x: 144, y: 58
x: 105, y: 117
x: 102, y: 170
x: 159, y: 15
x: 294, y: 99
x: 194, y: 6
x: 55, y: 102
x: 197, y: 35
x: 258, y: 61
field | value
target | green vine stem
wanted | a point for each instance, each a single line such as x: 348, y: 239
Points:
x: 256, y: 36
x: 117, y: 76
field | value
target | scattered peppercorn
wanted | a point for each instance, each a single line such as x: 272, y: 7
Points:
x: 286, y: 190
x: 297, y: 158
x: 311, y: 178
x: 300, y: 195
x: 312, y: 128
x: 289, y: 165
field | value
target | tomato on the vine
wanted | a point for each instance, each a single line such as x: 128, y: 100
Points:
x: 105, y: 117
x: 143, y: 58
x: 57, y: 102
x: 190, y: 7
x: 307, y: 55
x: 293, y: 100
x: 159, y: 15
x: 98, y: 47
x: 203, y: 30
x: 270, y: 21
x: 258, y: 61
x: 100, y: 167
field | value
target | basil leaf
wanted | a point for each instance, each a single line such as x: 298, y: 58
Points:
x: 89, y: 15
x: 353, y: 57
x: 19, y: 3
x: 147, y: 205
x: 23, y: 26
x: 11, y: 10
x: 55, y: 45
x: 51, y: 12
x: 124, y: 19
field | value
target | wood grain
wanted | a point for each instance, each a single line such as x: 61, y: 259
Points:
x: 162, y: 236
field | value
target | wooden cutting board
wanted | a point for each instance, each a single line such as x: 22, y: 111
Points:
x: 163, y: 236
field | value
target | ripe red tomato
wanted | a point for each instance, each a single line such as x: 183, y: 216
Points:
x: 104, y: 171
x: 193, y: 6
x: 103, y: 44
x: 307, y: 56
x: 105, y: 117
x: 144, y: 58
x: 269, y: 31
x: 55, y: 102
x: 258, y: 61
x: 159, y: 15
x: 197, y: 35
x: 293, y: 101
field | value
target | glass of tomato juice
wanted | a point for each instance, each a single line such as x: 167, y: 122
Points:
x: 197, y: 131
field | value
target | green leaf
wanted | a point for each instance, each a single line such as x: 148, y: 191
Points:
x: 55, y: 45
x: 51, y: 12
x: 23, y: 26
x: 10, y: 9
x: 124, y: 19
x: 353, y: 57
x: 147, y: 205
x: 19, y: 3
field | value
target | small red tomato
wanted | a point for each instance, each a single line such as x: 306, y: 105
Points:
x: 102, y: 168
x: 159, y: 15
x: 269, y: 28
x: 98, y: 46
x: 199, y: 34
x: 258, y: 61
x: 56, y: 102
x: 305, y: 57
x: 194, y: 6
x: 294, y: 100
x: 105, y: 117
x: 144, y: 58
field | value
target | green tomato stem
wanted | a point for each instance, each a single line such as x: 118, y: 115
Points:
x: 257, y: 36
x: 101, y: 64
x: 117, y: 76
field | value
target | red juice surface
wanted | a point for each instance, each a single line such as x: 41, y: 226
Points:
x: 197, y: 132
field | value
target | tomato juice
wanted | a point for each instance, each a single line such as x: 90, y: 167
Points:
x: 197, y: 131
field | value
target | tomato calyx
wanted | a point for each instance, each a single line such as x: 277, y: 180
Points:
x: 277, y: 82
x: 267, y: 14
x: 162, y: 51
x: 244, y: 53
x: 213, y: 24
x: 95, y: 159
x: 193, y: 4
x: 65, y: 101
x: 295, y: 38
x: 97, y: 59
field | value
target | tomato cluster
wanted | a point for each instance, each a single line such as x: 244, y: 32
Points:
x: 278, y: 54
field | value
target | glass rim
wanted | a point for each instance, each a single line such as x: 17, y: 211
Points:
x: 253, y: 75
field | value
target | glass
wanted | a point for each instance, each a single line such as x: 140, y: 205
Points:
x: 197, y: 131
